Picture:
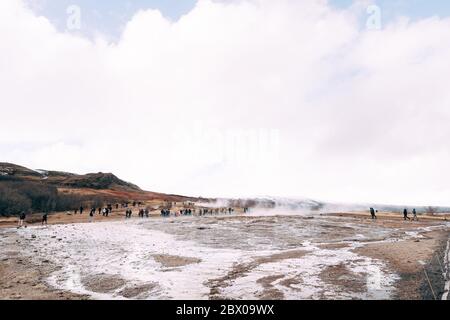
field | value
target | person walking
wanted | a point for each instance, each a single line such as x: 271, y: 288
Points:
x: 405, y: 215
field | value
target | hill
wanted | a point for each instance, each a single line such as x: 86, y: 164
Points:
x: 24, y: 189
x: 99, y: 180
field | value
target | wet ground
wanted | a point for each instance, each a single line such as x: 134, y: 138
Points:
x: 233, y: 257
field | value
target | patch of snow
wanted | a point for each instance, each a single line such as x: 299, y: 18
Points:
x: 126, y: 250
x: 308, y: 270
x: 43, y: 173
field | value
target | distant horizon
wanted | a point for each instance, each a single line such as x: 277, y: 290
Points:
x: 262, y: 197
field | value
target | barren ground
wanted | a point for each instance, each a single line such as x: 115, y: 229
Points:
x: 339, y: 256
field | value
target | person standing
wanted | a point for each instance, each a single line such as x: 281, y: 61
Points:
x: 372, y: 213
x: 44, y: 218
x: 415, y: 215
x: 81, y: 209
x: 91, y: 215
x: 22, y: 217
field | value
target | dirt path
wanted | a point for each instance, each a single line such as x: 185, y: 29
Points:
x: 411, y: 259
x: 390, y: 216
x: 66, y: 218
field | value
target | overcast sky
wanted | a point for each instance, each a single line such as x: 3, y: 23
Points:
x: 332, y: 100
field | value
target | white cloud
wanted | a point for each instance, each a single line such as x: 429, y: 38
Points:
x: 361, y: 115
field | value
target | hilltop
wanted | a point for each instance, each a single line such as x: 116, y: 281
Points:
x: 99, y: 181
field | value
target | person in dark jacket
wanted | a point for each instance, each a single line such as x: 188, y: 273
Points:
x: 45, y: 218
x: 405, y: 214
x: 372, y: 213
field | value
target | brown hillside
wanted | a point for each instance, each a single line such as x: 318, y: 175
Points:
x: 105, y: 185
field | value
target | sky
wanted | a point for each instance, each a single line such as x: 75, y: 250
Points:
x: 339, y: 100
x: 109, y: 18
